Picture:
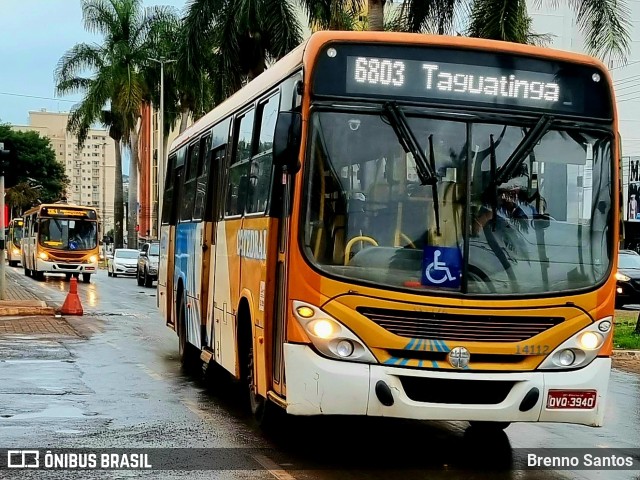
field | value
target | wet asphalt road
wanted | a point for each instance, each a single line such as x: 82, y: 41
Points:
x: 122, y: 387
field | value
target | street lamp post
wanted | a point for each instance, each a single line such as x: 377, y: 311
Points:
x: 161, y: 162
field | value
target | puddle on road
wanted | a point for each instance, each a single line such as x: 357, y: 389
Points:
x: 57, y: 411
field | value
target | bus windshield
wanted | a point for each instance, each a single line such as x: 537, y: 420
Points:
x: 67, y: 234
x: 16, y: 235
x: 496, y: 218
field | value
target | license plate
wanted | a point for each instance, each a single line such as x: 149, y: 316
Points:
x: 576, y: 399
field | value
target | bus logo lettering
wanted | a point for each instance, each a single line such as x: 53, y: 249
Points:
x: 252, y: 244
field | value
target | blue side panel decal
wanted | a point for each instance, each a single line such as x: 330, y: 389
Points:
x: 185, y: 270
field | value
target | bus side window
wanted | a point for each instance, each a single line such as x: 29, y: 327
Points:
x: 202, y: 175
x: 189, y: 192
x: 237, y: 180
x: 260, y: 169
x: 213, y: 184
x: 167, y: 200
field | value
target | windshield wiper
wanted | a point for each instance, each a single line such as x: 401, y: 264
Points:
x: 434, y: 187
x: 523, y: 149
x: 426, y: 172
x: 494, y: 189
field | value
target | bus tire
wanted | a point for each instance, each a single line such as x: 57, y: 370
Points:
x: 489, y: 426
x: 86, y: 277
x: 189, y: 355
x: 262, y: 409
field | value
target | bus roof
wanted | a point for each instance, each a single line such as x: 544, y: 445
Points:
x: 307, y: 51
x: 57, y: 205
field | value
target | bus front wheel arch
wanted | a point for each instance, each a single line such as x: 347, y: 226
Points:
x: 262, y: 409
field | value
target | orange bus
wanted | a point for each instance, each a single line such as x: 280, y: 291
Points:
x: 60, y: 238
x: 402, y: 225
x: 14, y: 241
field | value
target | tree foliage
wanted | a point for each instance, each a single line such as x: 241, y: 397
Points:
x: 32, y: 170
x: 604, y: 23
x: 111, y: 75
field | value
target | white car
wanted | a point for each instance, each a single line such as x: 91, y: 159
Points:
x: 123, y: 262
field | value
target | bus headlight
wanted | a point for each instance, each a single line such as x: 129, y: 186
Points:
x: 580, y: 349
x: 329, y: 336
x: 15, y: 251
x: 590, y: 340
x: 93, y: 259
x: 43, y: 256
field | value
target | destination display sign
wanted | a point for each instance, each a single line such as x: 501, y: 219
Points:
x: 68, y: 212
x: 462, y: 77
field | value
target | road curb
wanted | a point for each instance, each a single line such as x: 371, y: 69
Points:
x: 12, y: 308
x: 626, y: 353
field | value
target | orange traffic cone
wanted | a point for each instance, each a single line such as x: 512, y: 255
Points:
x: 72, y: 305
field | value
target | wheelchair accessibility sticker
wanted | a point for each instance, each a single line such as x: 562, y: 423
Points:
x: 442, y: 267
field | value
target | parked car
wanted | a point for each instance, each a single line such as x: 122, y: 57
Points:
x: 148, y: 259
x: 123, y: 262
x: 628, y: 278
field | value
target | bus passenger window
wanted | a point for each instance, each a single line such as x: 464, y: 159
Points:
x: 261, y: 163
x: 236, y: 195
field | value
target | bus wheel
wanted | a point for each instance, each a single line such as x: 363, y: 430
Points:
x: 489, y: 426
x: 189, y: 355
x: 86, y: 277
x: 264, y: 411
x: 67, y: 276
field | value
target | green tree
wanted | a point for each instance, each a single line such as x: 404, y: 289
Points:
x: 33, y: 174
x: 110, y: 74
x: 432, y: 16
x: 21, y: 197
x: 604, y: 23
x: 234, y: 40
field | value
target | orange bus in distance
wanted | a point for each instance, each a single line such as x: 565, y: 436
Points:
x: 60, y: 238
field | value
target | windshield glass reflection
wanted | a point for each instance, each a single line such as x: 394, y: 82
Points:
x: 543, y: 227
x: 62, y: 234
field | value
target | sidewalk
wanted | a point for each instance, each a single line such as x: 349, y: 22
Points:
x: 21, y: 300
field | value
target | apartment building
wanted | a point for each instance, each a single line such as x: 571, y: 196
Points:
x: 90, y: 168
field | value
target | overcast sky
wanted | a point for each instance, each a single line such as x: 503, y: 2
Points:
x: 33, y: 36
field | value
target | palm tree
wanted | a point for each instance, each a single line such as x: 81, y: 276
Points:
x: 234, y: 40
x: 188, y: 91
x: 21, y: 197
x: 433, y: 16
x: 116, y: 80
x: 605, y: 24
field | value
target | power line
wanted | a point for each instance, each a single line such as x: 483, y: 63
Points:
x: 625, y: 65
x: 11, y: 94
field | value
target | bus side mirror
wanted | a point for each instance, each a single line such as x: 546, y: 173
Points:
x: 286, y: 141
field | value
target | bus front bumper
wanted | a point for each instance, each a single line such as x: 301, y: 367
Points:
x: 320, y: 386
x: 61, y: 267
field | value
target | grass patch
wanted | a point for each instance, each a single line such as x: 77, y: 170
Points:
x: 623, y: 332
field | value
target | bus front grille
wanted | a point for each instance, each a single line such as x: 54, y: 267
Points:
x: 456, y: 391
x: 450, y: 326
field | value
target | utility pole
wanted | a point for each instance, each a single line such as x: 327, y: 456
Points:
x: 4, y: 156
x: 161, y: 163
